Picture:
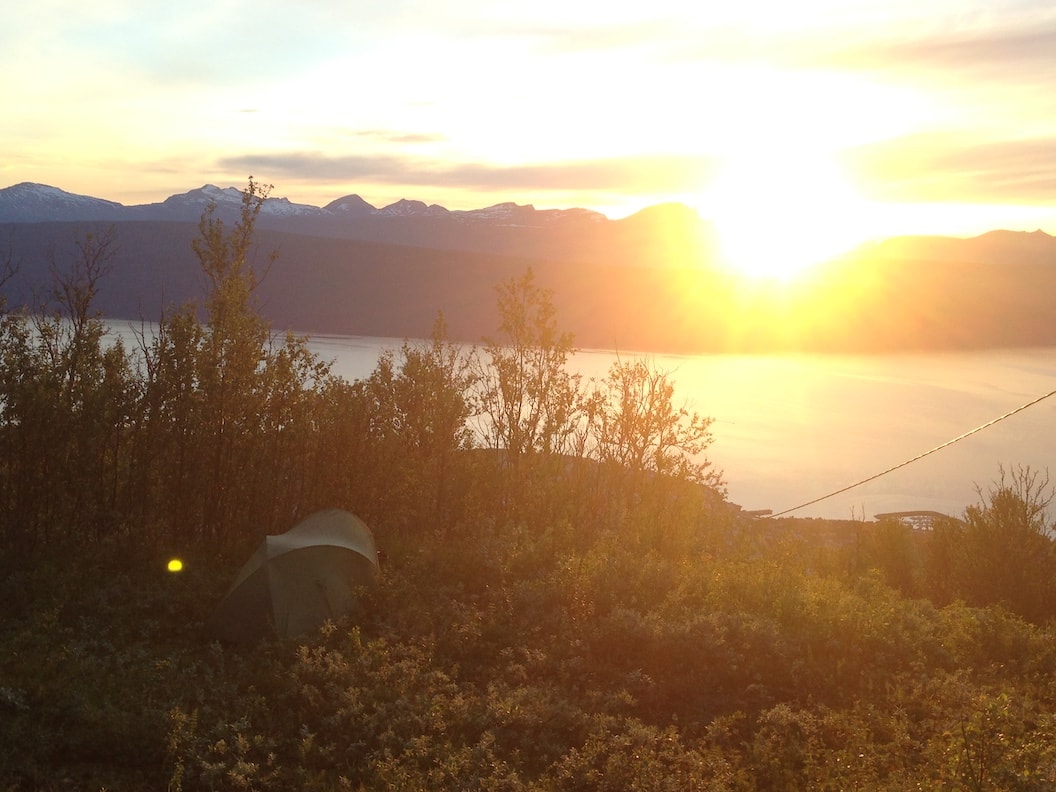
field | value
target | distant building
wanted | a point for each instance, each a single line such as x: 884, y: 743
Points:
x: 922, y: 520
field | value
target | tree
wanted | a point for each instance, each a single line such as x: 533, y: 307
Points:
x: 1017, y: 503
x: 229, y: 404
x: 431, y: 391
x: 8, y: 270
x: 1008, y: 552
x: 413, y: 410
x: 67, y: 402
x: 1002, y: 552
x: 525, y: 398
x: 639, y: 427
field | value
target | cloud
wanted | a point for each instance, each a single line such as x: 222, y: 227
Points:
x: 1023, y: 50
x: 390, y: 136
x: 632, y: 174
x: 318, y: 167
x: 957, y: 167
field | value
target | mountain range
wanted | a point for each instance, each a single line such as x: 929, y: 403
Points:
x: 645, y: 282
x: 506, y: 228
x: 29, y: 202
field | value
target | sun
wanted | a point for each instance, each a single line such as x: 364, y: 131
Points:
x: 777, y: 214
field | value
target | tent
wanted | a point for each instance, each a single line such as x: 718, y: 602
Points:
x: 296, y: 581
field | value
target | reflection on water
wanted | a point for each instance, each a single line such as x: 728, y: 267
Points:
x: 789, y: 429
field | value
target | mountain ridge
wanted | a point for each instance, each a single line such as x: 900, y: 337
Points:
x: 646, y: 283
x: 506, y: 229
x: 36, y: 202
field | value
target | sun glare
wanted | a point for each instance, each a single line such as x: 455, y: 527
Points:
x: 777, y: 214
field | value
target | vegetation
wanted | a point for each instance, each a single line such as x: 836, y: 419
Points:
x: 567, y: 600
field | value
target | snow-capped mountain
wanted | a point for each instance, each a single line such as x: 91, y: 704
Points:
x: 508, y: 229
x: 229, y: 198
x: 28, y: 202
x: 40, y: 203
x: 350, y: 206
x: 205, y: 195
x: 408, y: 208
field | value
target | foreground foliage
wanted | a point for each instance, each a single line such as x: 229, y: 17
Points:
x: 520, y: 659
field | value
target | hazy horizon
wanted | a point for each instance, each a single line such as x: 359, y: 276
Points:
x: 483, y: 202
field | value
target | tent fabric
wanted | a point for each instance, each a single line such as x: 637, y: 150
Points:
x: 296, y: 581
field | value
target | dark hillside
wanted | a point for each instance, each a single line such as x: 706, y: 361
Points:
x: 331, y: 285
x: 925, y: 293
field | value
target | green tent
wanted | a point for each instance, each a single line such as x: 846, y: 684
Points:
x: 298, y: 580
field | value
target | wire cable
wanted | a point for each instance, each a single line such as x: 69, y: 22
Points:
x: 969, y: 433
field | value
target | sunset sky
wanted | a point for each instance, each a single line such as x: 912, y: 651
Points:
x: 871, y: 117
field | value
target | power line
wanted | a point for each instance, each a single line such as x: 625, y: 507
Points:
x: 1000, y: 418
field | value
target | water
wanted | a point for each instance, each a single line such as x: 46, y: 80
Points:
x: 790, y: 429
